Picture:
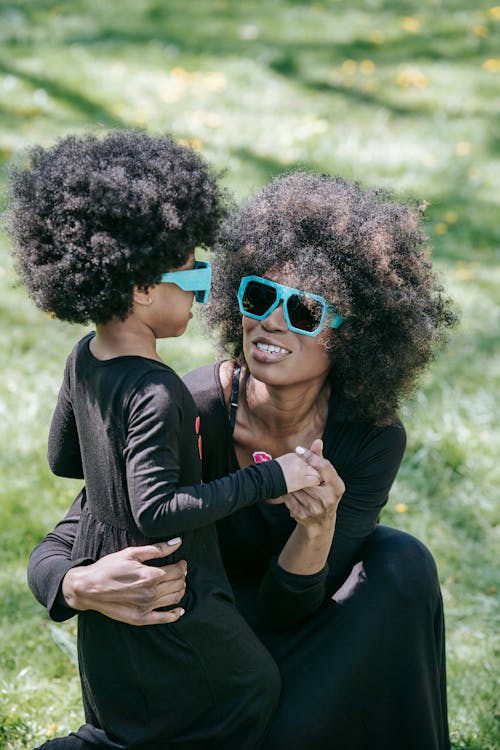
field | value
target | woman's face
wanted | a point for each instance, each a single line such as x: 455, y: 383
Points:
x: 277, y: 356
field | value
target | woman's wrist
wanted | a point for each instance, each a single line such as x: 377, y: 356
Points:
x: 306, y: 551
x: 73, y: 588
x: 314, y: 532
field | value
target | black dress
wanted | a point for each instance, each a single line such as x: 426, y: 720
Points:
x: 364, y: 670
x: 128, y: 426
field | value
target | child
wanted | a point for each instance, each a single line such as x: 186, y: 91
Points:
x: 97, y: 224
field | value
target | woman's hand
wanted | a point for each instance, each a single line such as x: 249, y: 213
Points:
x: 316, y: 507
x: 123, y: 588
x: 315, y: 511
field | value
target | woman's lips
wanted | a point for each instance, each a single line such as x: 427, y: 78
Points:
x: 266, y: 352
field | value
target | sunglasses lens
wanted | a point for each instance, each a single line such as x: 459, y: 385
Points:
x: 304, y: 312
x: 258, y: 298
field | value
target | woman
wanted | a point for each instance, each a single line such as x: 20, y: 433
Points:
x: 328, y: 304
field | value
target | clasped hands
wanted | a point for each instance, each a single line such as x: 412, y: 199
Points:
x: 316, y: 505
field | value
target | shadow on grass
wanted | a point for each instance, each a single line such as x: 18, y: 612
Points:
x: 66, y: 95
x: 267, y: 167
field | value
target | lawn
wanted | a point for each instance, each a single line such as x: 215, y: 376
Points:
x: 397, y: 94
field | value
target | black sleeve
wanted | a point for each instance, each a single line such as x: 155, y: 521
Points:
x: 287, y: 599
x: 368, y: 477
x: 50, y: 561
x: 152, y: 456
x: 64, y: 446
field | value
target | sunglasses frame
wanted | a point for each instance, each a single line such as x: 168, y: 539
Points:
x: 283, y: 294
x: 197, y: 279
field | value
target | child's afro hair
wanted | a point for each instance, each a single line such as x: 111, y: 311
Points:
x: 361, y: 250
x: 90, y: 215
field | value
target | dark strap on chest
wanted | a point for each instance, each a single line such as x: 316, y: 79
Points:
x: 233, y: 402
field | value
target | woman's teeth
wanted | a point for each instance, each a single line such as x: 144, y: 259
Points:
x: 271, y: 348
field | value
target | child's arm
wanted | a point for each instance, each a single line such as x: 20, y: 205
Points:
x: 64, y: 446
x: 160, y: 507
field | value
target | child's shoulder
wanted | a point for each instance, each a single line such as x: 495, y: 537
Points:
x: 155, y: 387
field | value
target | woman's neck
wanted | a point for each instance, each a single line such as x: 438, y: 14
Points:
x: 120, y: 338
x: 286, y: 410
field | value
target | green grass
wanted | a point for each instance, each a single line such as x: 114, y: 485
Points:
x: 399, y: 94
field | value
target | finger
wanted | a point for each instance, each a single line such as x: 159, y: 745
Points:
x: 320, y: 464
x: 159, y: 618
x: 153, y: 551
x: 314, y: 477
x: 299, y: 509
x: 172, y: 571
x: 168, y: 584
x: 317, y: 447
x: 302, y: 507
x: 276, y: 500
x: 167, y: 599
x: 316, y: 462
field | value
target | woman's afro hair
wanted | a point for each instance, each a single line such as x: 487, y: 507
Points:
x: 365, y: 253
x: 91, y: 215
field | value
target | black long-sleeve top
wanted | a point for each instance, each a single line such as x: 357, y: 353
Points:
x: 129, y: 426
x: 366, y: 457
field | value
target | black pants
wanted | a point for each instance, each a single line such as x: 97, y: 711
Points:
x: 367, y: 672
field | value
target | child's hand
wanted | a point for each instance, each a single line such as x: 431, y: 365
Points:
x: 298, y: 472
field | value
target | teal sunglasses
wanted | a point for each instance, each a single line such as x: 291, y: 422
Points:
x: 197, y: 279
x: 304, y: 312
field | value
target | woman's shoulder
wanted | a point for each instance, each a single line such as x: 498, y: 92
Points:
x: 208, y: 384
x: 350, y: 441
x: 206, y: 388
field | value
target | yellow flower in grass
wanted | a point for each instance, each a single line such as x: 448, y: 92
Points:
x: 492, y: 65
x: 462, y: 272
x: 451, y: 217
x: 410, y: 24
x: 412, y: 77
x: 401, y: 507
x: 349, y: 67
x: 214, y: 81
x: 179, y: 72
x: 367, y: 67
x: 463, y: 148
x: 441, y: 227
x: 494, y: 12
x: 194, y: 143
x: 480, y: 31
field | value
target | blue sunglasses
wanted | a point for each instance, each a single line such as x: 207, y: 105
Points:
x: 304, y: 312
x: 197, y: 279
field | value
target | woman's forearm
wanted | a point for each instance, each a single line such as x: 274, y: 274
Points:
x: 306, y: 551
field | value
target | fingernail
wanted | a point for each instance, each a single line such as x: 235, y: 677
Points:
x: 173, y: 542
x: 182, y: 611
x: 300, y: 450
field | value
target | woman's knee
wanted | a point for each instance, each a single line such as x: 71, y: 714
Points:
x: 402, y: 562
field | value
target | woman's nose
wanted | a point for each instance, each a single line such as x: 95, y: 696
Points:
x: 276, y: 320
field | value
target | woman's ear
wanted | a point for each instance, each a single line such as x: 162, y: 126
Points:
x: 141, y: 295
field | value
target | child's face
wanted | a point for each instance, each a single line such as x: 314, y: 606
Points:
x: 171, y: 308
